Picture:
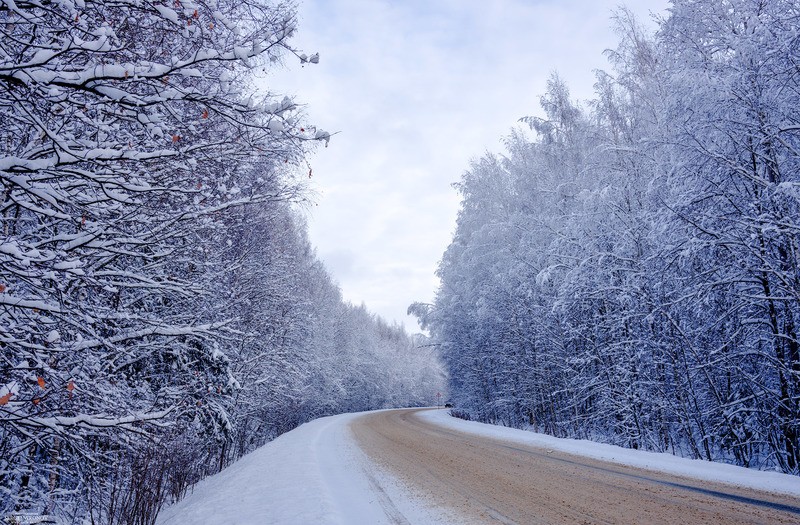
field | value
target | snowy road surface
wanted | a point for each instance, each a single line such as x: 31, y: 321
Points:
x: 412, y: 466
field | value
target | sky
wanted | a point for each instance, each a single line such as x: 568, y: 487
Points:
x: 414, y: 90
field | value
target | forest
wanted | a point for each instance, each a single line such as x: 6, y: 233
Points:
x: 162, y: 312
x: 628, y: 270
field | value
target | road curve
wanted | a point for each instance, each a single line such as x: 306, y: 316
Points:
x: 483, y: 480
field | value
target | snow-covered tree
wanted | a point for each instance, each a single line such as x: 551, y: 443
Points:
x: 630, y: 273
x: 126, y: 129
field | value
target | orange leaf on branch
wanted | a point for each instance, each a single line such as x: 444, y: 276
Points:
x: 5, y: 399
x: 40, y: 381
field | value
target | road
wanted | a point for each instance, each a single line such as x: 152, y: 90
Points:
x: 485, y: 480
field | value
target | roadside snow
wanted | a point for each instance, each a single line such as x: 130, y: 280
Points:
x: 774, y: 482
x: 313, y: 474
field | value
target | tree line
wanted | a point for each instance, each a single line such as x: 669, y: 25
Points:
x: 162, y: 312
x: 627, y: 271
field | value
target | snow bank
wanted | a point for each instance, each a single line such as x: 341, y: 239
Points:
x: 313, y: 474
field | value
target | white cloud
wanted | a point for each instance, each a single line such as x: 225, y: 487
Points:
x: 416, y: 89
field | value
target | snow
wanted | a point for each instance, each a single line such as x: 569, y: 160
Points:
x: 68, y: 265
x: 313, y: 474
x: 12, y: 249
x: 12, y: 387
x: 241, y: 52
x: 324, y: 136
x: 167, y: 13
x: 317, y: 474
x: 57, y: 423
x: 9, y: 300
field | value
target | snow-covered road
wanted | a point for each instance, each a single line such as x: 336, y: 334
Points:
x: 318, y: 473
